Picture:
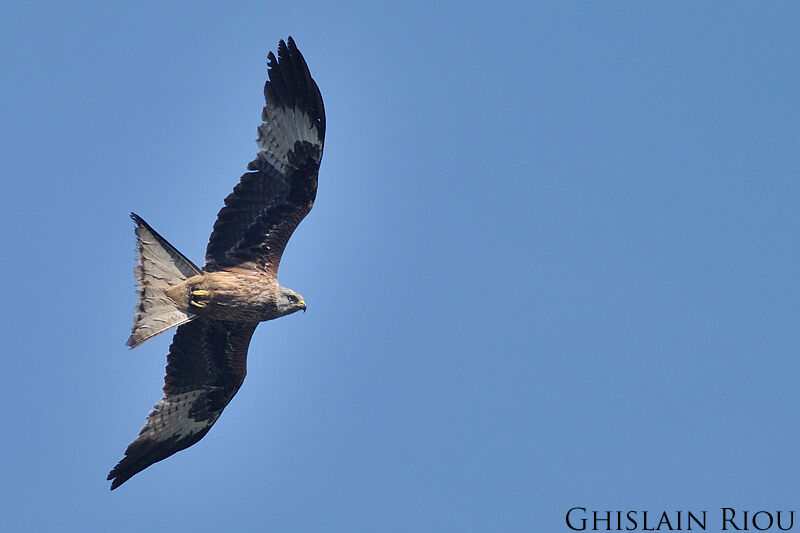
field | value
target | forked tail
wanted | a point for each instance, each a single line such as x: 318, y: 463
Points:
x: 159, y: 266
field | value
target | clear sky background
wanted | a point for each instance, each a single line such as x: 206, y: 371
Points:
x: 553, y: 262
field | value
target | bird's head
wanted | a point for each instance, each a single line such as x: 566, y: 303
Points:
x: 290, y: 301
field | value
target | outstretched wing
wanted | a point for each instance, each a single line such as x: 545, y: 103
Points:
x: 270, y: 201
x: 206, y: 365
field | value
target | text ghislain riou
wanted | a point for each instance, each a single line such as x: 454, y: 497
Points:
x: 730, y: 519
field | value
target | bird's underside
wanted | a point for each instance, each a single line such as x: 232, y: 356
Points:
x: 218, y: 307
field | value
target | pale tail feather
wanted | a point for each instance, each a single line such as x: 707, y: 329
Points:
x: 159, y: 267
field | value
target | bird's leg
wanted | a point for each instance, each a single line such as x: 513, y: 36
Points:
x: 199, y: 298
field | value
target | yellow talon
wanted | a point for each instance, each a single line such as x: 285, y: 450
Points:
x: 198, y: 304
x: 201, y: 292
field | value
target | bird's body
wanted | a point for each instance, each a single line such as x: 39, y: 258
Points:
x: 235, y: 294
x: 218, y: 307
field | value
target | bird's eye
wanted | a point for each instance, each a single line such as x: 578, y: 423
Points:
x: 292, y: 298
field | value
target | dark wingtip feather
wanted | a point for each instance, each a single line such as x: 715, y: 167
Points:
x: 128, y: 467
x: 290, y: 83
x: 117, y: 477
x: 144, y: 452
x: 117, y: 481
x: 283, y: 50
x: 123, y: 472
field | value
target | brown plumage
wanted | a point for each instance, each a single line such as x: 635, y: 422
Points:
x: 218, y: 307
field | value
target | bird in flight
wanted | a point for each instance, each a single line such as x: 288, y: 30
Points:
x: 218, y: 307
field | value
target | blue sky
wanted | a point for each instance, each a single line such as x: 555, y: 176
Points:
x: 553, y: 263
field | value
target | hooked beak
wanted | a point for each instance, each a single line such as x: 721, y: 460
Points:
x: 303, y: 305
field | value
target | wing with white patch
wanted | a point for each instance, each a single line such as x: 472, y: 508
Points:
x: 206, y: 365
x: 269, y: 202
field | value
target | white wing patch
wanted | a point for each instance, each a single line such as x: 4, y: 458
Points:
x: 170, y: 417
x: 277, y: 135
